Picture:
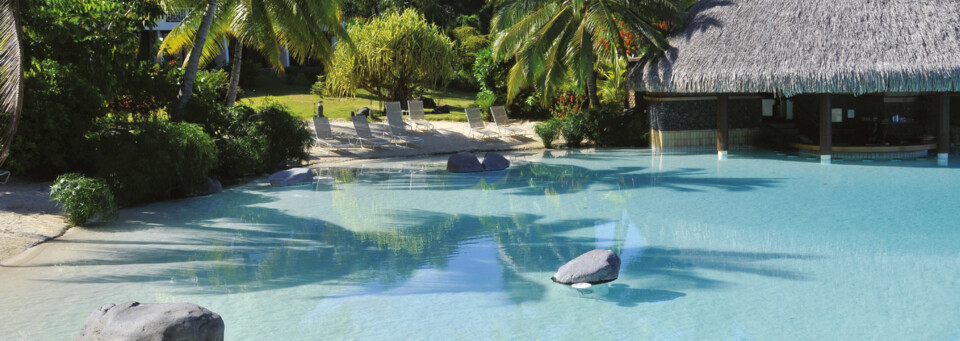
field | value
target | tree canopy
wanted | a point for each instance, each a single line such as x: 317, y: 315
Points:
x: 392, y: 57
x: 554, y: 42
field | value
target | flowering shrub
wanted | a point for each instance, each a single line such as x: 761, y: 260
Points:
x: 567, y: 104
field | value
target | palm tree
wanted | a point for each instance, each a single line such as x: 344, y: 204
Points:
x: 553, y: 41
x: 305, y: 28
x: 11, y: 73
x: 197, y: 10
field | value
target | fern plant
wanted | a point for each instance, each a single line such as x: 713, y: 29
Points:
x: 83, y: 198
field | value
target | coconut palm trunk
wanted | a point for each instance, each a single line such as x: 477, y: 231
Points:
x: 11, y: 73
x: 190, y: 74
x: 592, y: 88
x: 235, y: 73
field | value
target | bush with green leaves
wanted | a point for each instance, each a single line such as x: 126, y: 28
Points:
x: 83, y: 198
x: 58, y: 110
x: 288, y: 138
x: 319, y: 87
x: 610, y: 126
x: 574, y: 129
x: 548, y: 131
x: 153, y: 159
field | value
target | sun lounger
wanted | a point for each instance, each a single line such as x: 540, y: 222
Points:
x: 364, y: 135
x: 325, y: 138
x: 398, y: 130
x: 390, y: 107
x: 5, y: 176
x: 503, y: 122
x: 417, y: 117
x: 476, y: 124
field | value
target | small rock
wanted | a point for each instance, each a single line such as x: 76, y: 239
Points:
x: 597, y: 266
x: 152, y: 321
x: 463, y: 163
x: 208, y: 187
x: 495, y: 162
x: 428, y: 103
x: 364, y: 111
x: 291, y: 177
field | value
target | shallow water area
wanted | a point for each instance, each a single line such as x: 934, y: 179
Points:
x: 760, y: 246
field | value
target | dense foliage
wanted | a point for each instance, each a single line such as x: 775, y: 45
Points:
x: 554, y: 43
x: 548, y: 131
x: 83, y: 198
x: 153, y: 159
x: 393, y: 57
x: 59, y: 108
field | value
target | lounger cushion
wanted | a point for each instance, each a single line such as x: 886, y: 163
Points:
x: 463, y: 163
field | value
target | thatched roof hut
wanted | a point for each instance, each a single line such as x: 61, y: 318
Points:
x: 790, y: 47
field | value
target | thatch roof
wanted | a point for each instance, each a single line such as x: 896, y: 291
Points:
x: 810, y: 46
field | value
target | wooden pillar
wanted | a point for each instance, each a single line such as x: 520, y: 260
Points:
x: 826, y: 131
x: 943, y: 129
x: 723, y: 130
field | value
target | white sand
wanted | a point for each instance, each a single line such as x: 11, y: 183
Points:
x: 27, y: 217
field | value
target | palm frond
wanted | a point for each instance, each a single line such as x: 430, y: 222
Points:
x: 11, y: 74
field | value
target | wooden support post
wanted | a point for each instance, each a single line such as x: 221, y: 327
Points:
x: 723, y: 129
x: 943, y: 130
x: 826, y: 131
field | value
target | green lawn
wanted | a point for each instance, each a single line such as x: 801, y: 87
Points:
x: 303, y: 104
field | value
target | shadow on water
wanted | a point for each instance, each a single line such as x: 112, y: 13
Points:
x: 539, y: 179
x: 234, y: 243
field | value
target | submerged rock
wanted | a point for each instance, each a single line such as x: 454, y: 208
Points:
x: 291, y: 177
x: 597, y: 266
x: 495, y: 162
x: 152, y: 322
x: 463, y: 163
x: 209, y: 186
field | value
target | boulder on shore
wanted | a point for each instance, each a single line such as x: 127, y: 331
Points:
x: 209, y: 186
x: 495, y: 162
x: 152, y: 322
x: 291, y: 177
x: 597, y: 266
x: 463, y: 162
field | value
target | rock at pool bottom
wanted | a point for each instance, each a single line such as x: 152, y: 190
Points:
x: 152, y: 322
x: 468, y: 163
x: 291, y: 177
x: 594, y: 267
x: 495, y: 162
x: 463, y: 163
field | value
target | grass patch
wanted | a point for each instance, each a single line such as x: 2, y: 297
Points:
x: 302, y: 103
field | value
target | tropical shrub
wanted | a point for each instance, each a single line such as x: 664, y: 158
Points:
x: 59, y: 108
x: 83, y: 198
x: 153, y: 160
x: 547, y: 131
x: 574, y: 129
x: 611, y: 126
x: 393, y: 56
x: 288, y: 138
x: 319, y: 87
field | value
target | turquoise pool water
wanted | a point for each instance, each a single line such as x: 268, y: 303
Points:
x: 758, y: 247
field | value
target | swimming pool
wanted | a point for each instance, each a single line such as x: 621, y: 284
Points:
x: 756, y: 247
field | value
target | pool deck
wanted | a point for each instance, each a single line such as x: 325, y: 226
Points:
x: 28, y: 218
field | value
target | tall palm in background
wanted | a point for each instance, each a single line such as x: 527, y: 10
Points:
x: 304, y: 28
x: 11, y: 73
x: 555, y: 41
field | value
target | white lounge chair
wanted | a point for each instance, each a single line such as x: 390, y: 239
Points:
x: 364, y: 135
x: 476, y: 124
x: 398, y: 130
x: 503, y: 122
x: 389, y: 107
x: 417, y: 117
x: 325, y: 138
x: 5, y: 175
